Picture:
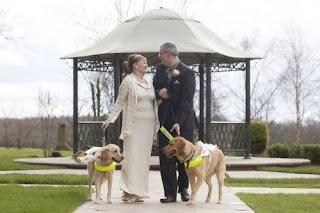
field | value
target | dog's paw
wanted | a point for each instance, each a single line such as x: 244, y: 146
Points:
x: 109, y: 202
x: 191, y: 202
x: 220, y: 202
x: 208, y: 200
x: 97, y: 201
x: 89, y: 199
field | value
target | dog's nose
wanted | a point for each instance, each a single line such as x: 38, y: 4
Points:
x: 162, y: 149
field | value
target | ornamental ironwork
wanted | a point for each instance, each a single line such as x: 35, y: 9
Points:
x: 90, y: 133
x: 228, y: 67
x: 229, y: 136
x: 95, y: 64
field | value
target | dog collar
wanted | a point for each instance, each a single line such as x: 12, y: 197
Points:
x: 104, y: 168
x: 198, y: 160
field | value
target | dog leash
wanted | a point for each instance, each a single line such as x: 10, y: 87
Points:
x: 103, y: 139
x: 162, y: 128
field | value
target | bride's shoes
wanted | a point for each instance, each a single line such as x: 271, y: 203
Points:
x: 137, y: 199
x: 131, y: 197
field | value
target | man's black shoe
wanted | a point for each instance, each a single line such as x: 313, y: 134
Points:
x: 168, y: 199
x: 184, y: 195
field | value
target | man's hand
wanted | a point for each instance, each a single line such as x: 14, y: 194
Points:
x: 163, y: 93
x: 176, y: 127
x: 105, y: 125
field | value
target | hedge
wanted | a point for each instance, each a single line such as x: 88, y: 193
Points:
x: 259, y: 137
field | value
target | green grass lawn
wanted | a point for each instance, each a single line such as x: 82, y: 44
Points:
x: 67, y: 179
x: 7, y: 157
x: 297, y: 169
x: 54, y: 179
x: 36, y: 199
x: 273, y: 183
x: 284, y: 203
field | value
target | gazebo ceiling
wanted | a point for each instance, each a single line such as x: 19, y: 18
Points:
x: 145, y: 33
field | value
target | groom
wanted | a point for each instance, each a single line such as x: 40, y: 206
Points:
x: 174, y: 84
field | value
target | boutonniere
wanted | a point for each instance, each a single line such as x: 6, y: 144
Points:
x: 175, y: 72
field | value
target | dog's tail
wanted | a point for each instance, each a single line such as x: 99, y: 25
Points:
x: 227, y: 174
x: 76, y: 156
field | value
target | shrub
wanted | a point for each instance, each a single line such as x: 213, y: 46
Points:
x: 312, y: 152
x: 56, y: 154
x: 259, y: 137
x: 278, y: 151
x: 295, y: 151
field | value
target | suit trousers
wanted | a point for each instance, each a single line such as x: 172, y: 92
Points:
x: 168, y: 167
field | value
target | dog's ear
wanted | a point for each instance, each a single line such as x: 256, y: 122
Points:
x: 104, y: 153
x: 180, y: 146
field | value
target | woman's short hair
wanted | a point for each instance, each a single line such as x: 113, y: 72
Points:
x: 170, y: 48
x: 127, y: 66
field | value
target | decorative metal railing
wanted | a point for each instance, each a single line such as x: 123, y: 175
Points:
x: 90, y: 133
x: 229, y: 136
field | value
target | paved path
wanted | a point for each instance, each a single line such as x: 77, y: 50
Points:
x: 231, y: 202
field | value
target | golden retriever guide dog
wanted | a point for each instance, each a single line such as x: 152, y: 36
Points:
x: 198, y: 168
x: 101, y: 167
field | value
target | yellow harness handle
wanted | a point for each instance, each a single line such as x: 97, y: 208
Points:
x: 166, y: 133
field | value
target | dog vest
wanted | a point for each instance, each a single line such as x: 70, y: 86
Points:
x: 198, y: 160
x: 104, y: 168
x: 206, y: 148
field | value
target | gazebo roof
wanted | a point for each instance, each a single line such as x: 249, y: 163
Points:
x: 145, y: 33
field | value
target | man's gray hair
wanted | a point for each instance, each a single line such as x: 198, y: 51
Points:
x: 170, y: 48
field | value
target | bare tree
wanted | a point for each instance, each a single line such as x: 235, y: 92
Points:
x: 5, y: 131
x: 5, y: 26
x: 265, y: 80
x: 301, y: 85
x: 101, y: 91
x: 6, y: 125
x: 47, y: 104
x: 23, y: 131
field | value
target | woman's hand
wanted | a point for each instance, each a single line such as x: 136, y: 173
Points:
x: 105, y: 125
x: 163, y: 93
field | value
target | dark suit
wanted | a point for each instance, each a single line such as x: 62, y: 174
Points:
x: 177, y: 109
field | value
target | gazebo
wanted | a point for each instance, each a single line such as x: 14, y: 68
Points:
x: 199, y: 47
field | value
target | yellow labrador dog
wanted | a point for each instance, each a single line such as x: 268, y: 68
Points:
x: 101, y: 167
x: 198, y: 168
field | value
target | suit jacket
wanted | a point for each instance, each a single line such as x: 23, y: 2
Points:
x: 179, y: 107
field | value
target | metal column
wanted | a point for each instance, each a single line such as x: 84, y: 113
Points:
x: 248, y: 154
x: 208, y: 63
x: 201, y: 102
x: 75, y: 105
x: 117, y: 78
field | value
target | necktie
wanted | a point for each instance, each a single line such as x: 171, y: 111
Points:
x: 169, y: 73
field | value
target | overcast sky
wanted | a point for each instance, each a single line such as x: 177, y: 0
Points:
x: 44, y: 31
